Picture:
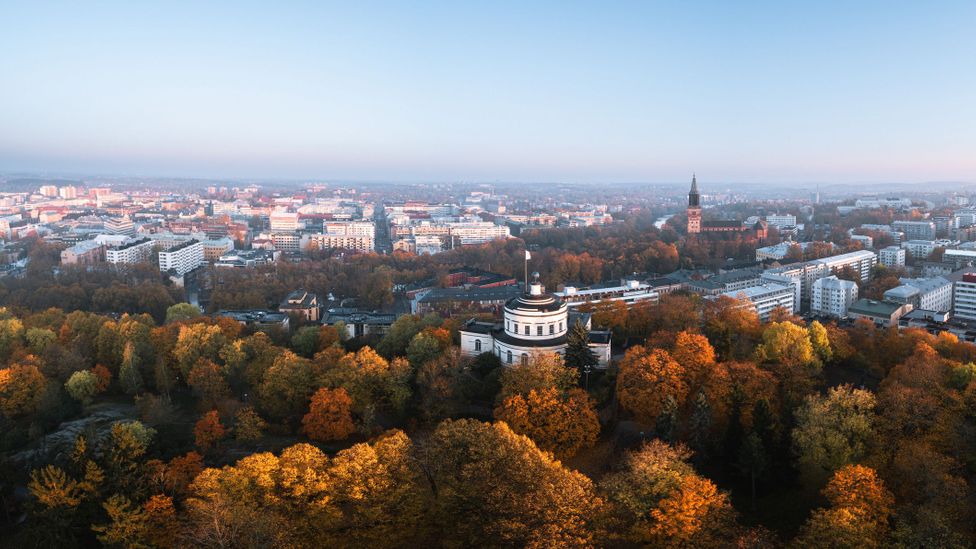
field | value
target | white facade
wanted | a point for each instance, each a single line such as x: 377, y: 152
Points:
x: 533, y: 323
x: 183, y: 258
x: 284, y: 221
x: 780, y: 221
x: 964, y: 297
x: 919, y: 249
x: 892, y: 256
x: 832, y: 296
x: 861, y: 262
x: 928, y: 294
x: 865, y: 240
x: 916, y: 230
x: 766, y: 298
x: 629, y: 292
x: 323, y: 241
x: 136, y: 251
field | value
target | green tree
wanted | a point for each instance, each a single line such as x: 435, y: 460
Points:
x: 181, y: 312
x: 82, y: 386
x: 833, y: 430
x: 578, y: 355
x: 396, y: 340
x: 306, y: 341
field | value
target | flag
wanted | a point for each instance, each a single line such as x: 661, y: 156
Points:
x: 528, y: 256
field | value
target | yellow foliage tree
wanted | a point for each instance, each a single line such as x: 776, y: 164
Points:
x: 647, y: 379
x: 329, y: 416
x: 559, y: 424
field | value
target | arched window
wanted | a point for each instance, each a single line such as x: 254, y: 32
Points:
x: 477, y: 345
x: 508, y: 357
x: 525, y: 359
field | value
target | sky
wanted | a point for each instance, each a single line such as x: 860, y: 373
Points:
x: 779, y: 91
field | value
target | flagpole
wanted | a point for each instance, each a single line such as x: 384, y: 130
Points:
x: 526, y: 288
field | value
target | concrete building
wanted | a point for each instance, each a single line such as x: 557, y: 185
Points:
x: 964, y: 297
x: 862, y: 262
x: 916, y: 230
x: 866, y: 241
x: 929, y: 294
x: 183, y: 258
x: 626, y: 291
x: 134, y: 251
x: 359, y: 323
x: 83, y: 253
x: 832, y: 296
x: 323, y: 241
x: 284, y: 221
x: 216, y: 248
x: 780, y: 221
x: 242, y: 259
x: 766, y: 298
x: 960, y: 258
x: 534, y: 322
x: 892, y: 256
x: 120, y: 225
x: 881, y: 313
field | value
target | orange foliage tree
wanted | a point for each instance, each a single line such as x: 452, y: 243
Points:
x: 647, y: 379
x: 329, y: 416
x: 860, y: 506
x: 208, y: 431
x: 560, y: 424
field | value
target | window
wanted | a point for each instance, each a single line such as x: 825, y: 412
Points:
x: 560, y: 325
x: 515, y: 327
x: 508, y: 357
x: 477, y: 345
x: 525, y: 359
x: 552, y: 329
x: 527, y: 330
x: 538, y: 330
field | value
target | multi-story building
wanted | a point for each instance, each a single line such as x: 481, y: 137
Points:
x: 134, y: 251
x: 929, y: 294
x: 286, y: 242
x: 247, y: 258
x: 214, y: 249
x: 322, y: 241
x: 533, y: 322
x: 866, y: 241
x: 284, y: 221
x: 183, y: 258
x: 832, y: 296
x: 68, y: 192
x: 50, y: 191
x: 83, y: 253
x: 862, y: 262
x: 959, y: 257
x: 892, y: 256
x: 766, y: 298
x: 120, y: 225
x: 964, y: 296
x: 780, y: 221
x: 916, y: 230
x: 919, y: 249
x: 626, y: 291
x: 881, y: 313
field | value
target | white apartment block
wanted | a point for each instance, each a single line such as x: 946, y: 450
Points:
x: 286, y: 242
x: 323, y: 241
x: 365, y: 229
x: 832, y: 296
x: 892, y: 256
x: 780, y: 221
x: 919, y: 249
x: 478, y: 232
x: 183, y: 258
x: 284, y: 221
x: 861, y: 262
x: 766, y: 298
x: 916, y: 230
x: 135, y: 251
x: 928, y: 294
x: 964, y: 297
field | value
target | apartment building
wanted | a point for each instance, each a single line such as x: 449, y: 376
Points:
x: 183, y: 258
x: 83, y: 253
x: 892, y: 256
x: 766, y: 298
x: 929, y: 294
x: 916, y: 230
x: 134, y: 251
x: 832, y: 296
x: 964, y: 297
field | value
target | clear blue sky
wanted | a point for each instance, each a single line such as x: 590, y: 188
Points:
x: 783, y: 91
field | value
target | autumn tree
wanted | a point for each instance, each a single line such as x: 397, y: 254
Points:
x: 287, y: 384
x: 208, y: 431
x: 834, y: 430
x: 542, y: 371
x: 647, y: 379
x: 130, y: 378
x: 82, y: 386
x: 695, y: 355
x: 22, y: 387
x: 561, y: 424
x: 181, y: 312
x: 372, y: 381
x: 248, y: 425
x: 658, y: 499
x: 860, y: 507
x: 787, y: 349
x: 494, y: 487
x: 209, y: 383
x: 329, y: 416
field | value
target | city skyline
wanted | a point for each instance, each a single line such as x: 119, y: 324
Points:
x: 877, y: 92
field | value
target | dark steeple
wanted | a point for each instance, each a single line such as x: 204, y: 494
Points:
x: 693, y: 194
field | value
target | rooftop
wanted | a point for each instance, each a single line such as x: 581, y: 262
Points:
x: 870, y: 307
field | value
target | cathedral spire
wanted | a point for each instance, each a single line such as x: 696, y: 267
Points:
x: 693, y: 199
x: 694, y: 183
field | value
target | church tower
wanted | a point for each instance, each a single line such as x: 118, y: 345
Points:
x: 694, y: 208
